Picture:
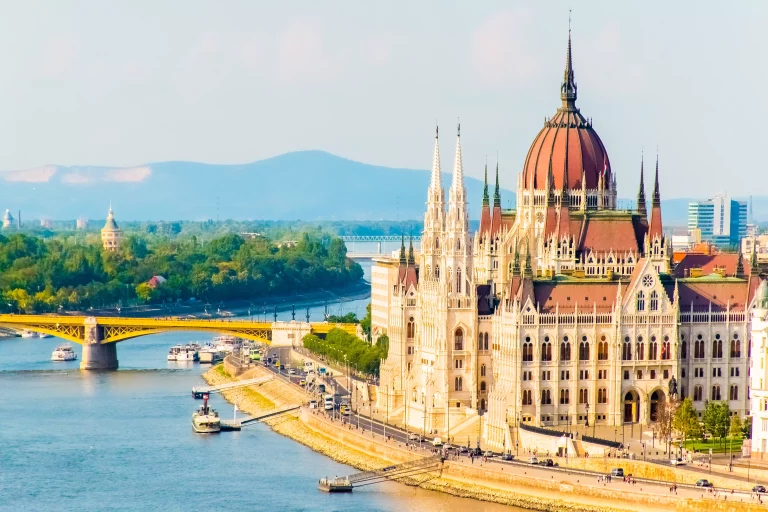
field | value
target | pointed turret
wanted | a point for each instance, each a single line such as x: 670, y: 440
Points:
x: 436, y: 181
x: 496, y: 217
x: 740, y: 264
x: 403, y: 261
x: 641, y: 208
x: 485, y: 213
x: 528, y: 271
x: 655, y: 229
x: 457, y: 179
x: 564, y: 222
x: 516, y: 262
x: 568, y: 88
x: 754, y: 268
x: 411, y: 258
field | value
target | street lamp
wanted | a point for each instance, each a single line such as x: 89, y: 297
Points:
x: 586, y: 422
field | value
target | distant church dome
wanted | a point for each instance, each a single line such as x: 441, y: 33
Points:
x: 567, y: 143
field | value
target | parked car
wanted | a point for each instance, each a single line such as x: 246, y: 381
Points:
x: 415, y: 437
x: 617, y: 472
x: 507, y: 456
x: 489, y: 453
x: 313, y: 404
x: 437, y: 442
x: 704, y: 483
x: 476, y: 452
x: 677, y: 462
x: 533, y: 460
x: 548, y: 463
x: 462, y: 449
x: 292, y: 371
x: 758, y: 488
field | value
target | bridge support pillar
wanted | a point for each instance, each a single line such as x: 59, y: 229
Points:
x: 97, y: 355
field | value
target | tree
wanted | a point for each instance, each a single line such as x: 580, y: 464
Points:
x: 686, y: 421
x: 746, y: 427
x: 717, y: 419
x: 665, y: 420
x: 365, y: 323
x: 735, y: 430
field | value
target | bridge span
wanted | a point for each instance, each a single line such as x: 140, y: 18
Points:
x: 99, y: 335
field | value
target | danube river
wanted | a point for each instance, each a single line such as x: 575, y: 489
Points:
x: 122, y: 441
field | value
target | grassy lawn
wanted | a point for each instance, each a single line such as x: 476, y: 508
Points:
x: 717, y: 446
x: 221, y: 371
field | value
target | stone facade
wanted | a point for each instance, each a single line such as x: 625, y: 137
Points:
x: 563, y: 310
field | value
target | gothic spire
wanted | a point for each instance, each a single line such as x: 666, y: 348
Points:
x: 486, y: 199
x: 458, y: 165
x: 402, y: 250
x: 516, y: 262
x: 497, y: 191
x: 754, y: 268
x: 528, y: 271
x: 641, y: 208
x: 411, y: 257
x: 568, y: 88
x: 656, y: 195
x: 436, y: 182
x: 740, y: 264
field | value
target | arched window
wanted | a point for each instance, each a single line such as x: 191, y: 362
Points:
x: 602, y: 349
x: 583, y: 396
x: 429, y: 270
x: 457, y: 383
x: 715, y: 392
x: 458, y: 280
x: 684, y: 349
x: 735, y: 347
x: 733, y: 394
x: 640, y: 350
x: 584, y: 351
x: 527, y: 397
x: 697, y: 394
x: 527, y: 351
x: 666, y: 348
x: 482, y: 370
x: 698, y: 348
x: 546, y: 351
x: 411, y: 328
x: 717, y: 348
x: 565, y: 397
x: 640, y: 301
x: 485, y: 343
x: 565, y: 350
x: 546, y: 397
x: 437, y: 271
x: 626, y: 352
x: 654, y: 302
x: 654, y: 349
x: 482, y: 387
x: 602, y: 396
x: 458, y: 339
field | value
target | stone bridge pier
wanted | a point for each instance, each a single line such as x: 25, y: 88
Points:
x: 97, y: 355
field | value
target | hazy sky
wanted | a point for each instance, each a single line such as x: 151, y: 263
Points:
x: 125, y: 83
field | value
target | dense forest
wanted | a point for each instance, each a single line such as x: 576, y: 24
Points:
x: 48, y: 274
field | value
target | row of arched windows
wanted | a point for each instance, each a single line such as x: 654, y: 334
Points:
x: 653, y: 349
x: 700, y: 348
x: 698, y: 393
x: 482, y: 341
x: 653, y: 301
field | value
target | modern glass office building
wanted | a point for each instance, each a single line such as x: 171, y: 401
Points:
x: 721, y: 220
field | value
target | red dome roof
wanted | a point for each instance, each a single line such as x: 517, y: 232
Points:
x: 567, y: 141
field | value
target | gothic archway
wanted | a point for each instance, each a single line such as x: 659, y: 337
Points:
x: 631, y: 407
x: 657, y: 402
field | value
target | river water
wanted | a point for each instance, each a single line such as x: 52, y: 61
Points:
x: 122, y: 441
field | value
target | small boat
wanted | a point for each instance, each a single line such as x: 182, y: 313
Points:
x: 45, y: 335
x: 28, y: 334
x: 63, y: 353
x: 206, y: 420
x: 173, y: 354
x: 227, y: 343
x: 338, y: 484
x: 210, y: 355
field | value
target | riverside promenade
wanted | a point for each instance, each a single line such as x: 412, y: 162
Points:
x: 513, y: 483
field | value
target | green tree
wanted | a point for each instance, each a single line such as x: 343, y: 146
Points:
x: 746, y: 427
x: 717, y: 419
x: 686, y: 421
x: 735, y: 430
x: 144, y: 292
x: 365, y: 323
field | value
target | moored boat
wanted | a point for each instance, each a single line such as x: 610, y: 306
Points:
x: 26, y: 333
x: 173, y: 353
x: 206, y: 420
x: 63, y: 353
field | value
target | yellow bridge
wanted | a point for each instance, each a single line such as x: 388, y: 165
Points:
x: 99, y: 335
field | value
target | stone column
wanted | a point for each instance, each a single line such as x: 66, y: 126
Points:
x: 97, y: 355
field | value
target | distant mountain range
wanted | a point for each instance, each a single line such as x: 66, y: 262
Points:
x: 305, y: 185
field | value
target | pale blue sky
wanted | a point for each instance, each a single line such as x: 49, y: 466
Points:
x: 125, y: 83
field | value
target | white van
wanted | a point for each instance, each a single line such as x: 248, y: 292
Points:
x: 437, y: 442
x: 328, y: 402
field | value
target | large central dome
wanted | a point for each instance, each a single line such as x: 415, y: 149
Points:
x: 568, y: 145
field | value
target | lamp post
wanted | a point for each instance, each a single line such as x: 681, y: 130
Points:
x: 586, y: 422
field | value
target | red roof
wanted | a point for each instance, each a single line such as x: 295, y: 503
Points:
x: 719, y: 295
x: 602, y: 234
x: 586, y: 155
x: 708, y: 263
x: 587, y: 296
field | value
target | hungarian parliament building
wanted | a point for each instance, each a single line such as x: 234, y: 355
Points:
x: 563, y: 310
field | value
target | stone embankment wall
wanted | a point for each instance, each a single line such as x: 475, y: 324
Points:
x: 348, y: 446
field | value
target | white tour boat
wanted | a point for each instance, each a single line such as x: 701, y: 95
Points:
x: 63, y: 353
x: 206, y: 420
x: 187, y: 354
x: 227, y: 343
x: 173, y: 354
x: 28, y: 334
